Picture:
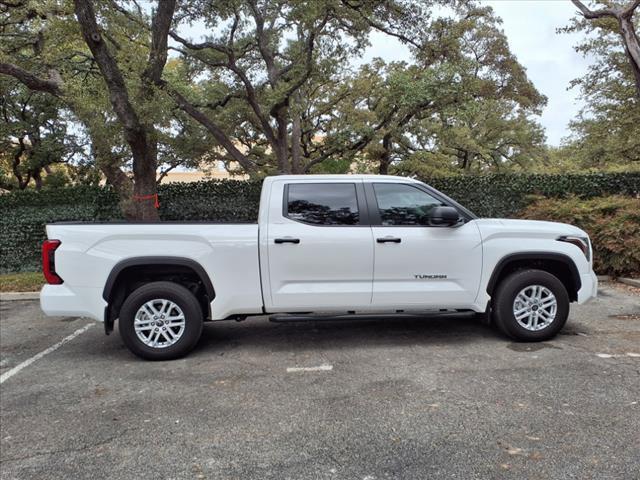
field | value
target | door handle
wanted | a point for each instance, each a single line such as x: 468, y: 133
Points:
x: 389, y: 240
x: 287, y: 240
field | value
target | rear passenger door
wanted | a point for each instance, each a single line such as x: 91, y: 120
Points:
x: 319, y: 246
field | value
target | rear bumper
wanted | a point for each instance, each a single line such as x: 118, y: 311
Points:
x: 589, y: 288
x: 63, y: 300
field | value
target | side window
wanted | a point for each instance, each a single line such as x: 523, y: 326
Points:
x: 403, y: 204
x: 322, y: 203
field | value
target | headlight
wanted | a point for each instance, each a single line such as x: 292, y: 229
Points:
x: 581, y: 242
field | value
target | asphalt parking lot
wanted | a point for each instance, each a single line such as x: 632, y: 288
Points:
x: 358, y: 399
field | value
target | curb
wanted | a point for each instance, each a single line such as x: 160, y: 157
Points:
x: 603, y: 278
x: 15, y: 296
x: 634, y: 282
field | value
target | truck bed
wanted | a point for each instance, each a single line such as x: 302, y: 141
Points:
x: 89, y: 252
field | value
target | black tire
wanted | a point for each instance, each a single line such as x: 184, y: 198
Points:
x: 504, y: 298
x: 177, y: 294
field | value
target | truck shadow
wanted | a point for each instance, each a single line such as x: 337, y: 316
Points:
x: 342, y: 332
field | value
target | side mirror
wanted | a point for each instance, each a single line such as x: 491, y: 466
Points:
x: 443, y: 216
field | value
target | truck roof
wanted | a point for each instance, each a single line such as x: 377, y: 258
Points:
x: 349, y: 176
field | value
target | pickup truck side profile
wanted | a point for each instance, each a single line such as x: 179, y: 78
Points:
x: 323, y: 244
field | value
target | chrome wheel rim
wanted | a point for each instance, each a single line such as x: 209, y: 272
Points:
x: 159, y: 323
x: 535, y: 307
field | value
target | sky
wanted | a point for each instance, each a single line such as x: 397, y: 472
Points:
x: 549, y: 57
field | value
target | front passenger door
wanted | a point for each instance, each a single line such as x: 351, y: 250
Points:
x: 416, y: 264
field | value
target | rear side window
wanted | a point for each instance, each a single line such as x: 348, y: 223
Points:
x: 403, y: 204
x: 322, y: 203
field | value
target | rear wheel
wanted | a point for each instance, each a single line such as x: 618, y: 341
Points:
x: 531, y: 305
x: 160, y: 321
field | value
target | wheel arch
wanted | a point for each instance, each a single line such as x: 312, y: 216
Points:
x: 558, y: 264
x: 114, y: 291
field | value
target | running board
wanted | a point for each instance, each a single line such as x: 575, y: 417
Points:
x: 295, y: 318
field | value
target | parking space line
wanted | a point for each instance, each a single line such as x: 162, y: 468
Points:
x: 320, y: 368
x: 618, y: 355
x: 10, y: 373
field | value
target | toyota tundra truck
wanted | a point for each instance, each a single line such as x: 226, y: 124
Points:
x: 322, y: 245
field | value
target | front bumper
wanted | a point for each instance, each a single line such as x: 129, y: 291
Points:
x: 589, y: 288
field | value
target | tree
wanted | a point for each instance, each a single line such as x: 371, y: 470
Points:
x: 606, y: 133
x: 464, y: 103
x: 34, y: 135
x: 131, y: 98
x: 140, y: 135
x: 623, y: 14
x: 262, y: 63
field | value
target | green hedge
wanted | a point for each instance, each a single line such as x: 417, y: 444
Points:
x: 612, y: 222
x: 506, y: 194
x: 23, y: 214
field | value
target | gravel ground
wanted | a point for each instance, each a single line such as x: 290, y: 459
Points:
x: 395, y: 398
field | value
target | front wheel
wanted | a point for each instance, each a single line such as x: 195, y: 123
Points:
x: 160, y: 321
x: 531, y: 305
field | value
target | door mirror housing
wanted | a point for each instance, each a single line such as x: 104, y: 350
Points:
x: 443, y: 216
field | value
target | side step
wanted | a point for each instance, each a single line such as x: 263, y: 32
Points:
x: 298, y: 318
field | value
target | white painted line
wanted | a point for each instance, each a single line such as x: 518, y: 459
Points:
x: 10, y: 373
x: 618, y: 355
x: 319, y: 368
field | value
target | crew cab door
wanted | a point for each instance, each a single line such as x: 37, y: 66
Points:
x: 319, y: 245
x: 415, y: 264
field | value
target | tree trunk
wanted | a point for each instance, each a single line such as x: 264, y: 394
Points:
x: 385, y: 159
x: 15, y: 165
x: 37, y: 178
x: 123, y: 186
x: 145, y: 188
x: 136, y: 133
x: 631, y: 48
x: 296, y: 148
x: 282, y: 144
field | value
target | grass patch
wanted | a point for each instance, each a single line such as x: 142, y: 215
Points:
x: 21, y: 282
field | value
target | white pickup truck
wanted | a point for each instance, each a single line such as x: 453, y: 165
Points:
x: 323, y: 244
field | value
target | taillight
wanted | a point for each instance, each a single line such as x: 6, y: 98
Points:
x: 49, y: 261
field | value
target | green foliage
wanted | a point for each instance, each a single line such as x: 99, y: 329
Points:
x: 607, y: 130
x: 503, y: 195
x: 34, y: 138
x: 463, y: 102
x: 613, y: 224
x: 24, y: 214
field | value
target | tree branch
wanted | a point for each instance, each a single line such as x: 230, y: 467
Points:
x: 31, y: 81
x: 159, y: 32
x: 108, y: 67
x: 263, y: 44
x: 354, y: 146
x: 380, y: 27
x: 627, y: 30
x: 200, y: 46
x: 217, y: 133
x: 591, y: 14
x: 627, y: 12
